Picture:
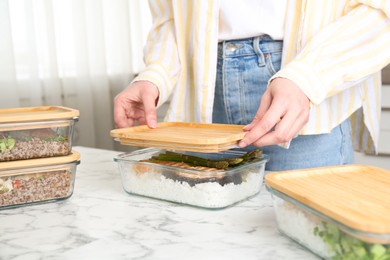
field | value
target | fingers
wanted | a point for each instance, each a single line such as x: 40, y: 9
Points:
x: 292, y: 122
x: 137, y: 103
x: 285, y: 130
x: 121, y: 117
x: 264, y: 106
x: 150, y: 111
x: 261, y: 127
x: 283, y: 112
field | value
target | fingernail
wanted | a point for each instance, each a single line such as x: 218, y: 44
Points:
x: 242, y: 144
x: 153, y: 123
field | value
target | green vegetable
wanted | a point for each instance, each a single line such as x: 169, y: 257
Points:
x: 347, y: 247
x: 27, y: 138
x: 59, y: 138
x: 6, y: 143
x: 3, y: 190
x: 192, y: 160
x: 198, y: 161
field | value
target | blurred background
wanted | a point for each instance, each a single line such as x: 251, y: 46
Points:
x: 74, y: 53
x: 81, y: 53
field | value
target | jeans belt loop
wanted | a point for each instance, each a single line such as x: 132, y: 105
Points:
x: 223, y: 50
x: 256, y: 48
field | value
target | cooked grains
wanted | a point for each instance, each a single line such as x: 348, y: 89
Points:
x: 38, y: 187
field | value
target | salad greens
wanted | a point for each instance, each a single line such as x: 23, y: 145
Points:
x: 6, y: 143
x: 59, y: 138
x: 347, y: 247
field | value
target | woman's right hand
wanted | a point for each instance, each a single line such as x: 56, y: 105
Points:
x: 136, y: 103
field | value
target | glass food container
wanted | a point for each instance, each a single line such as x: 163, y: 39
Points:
x: 35, y: 181
x: 339, y: 212
x: 36, y: 132
x: 206, y: 187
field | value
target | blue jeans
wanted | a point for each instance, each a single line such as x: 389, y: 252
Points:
x: 243, y: 70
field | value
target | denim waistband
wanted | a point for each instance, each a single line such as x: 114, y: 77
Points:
x: 249, y: 46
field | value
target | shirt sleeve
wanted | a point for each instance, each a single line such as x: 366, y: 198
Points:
x: 344, y: 52
x: 160, y: 52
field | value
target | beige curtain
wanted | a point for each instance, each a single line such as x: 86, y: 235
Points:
x: 75, y: 53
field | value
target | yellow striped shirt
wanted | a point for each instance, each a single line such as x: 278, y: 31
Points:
x: 333, y: 50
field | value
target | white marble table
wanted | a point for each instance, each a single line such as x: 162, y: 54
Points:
x: 101, y: 221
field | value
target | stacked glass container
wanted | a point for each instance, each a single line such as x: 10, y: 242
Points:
x: 37, y: 163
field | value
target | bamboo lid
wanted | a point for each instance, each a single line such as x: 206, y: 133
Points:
x: 30, y: 114
x: 182, y: 136
x: 357, y: 196
x: 32, y: 163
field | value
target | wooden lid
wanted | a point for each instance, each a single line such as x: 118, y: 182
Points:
x: 357, y: 196
x: 32, y: 163
x: 182, y: 136
x: 29, y: 114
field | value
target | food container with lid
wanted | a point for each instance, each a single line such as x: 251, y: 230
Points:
x: 183, y: 136
x: 338, y: 212
x: 203, y: 181
x: 36, y: 132
x: 35, y: 181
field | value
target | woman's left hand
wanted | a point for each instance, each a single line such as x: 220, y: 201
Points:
x: 283, y: 112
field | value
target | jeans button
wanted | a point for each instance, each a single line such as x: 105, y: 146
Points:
x: 231, y: 47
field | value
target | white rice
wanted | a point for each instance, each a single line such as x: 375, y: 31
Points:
x: 207, y: 195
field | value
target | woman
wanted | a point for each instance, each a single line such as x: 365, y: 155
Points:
x: 299, y: 74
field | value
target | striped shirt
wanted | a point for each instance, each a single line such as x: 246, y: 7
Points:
x: 333, y: 50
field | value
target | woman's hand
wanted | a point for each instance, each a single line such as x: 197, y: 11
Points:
x: 136, y: 103
x: 283, y: 112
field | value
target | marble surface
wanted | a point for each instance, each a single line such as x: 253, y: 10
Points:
x: 101, y: 221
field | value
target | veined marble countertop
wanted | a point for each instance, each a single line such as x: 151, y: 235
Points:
x: 101, y: 221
